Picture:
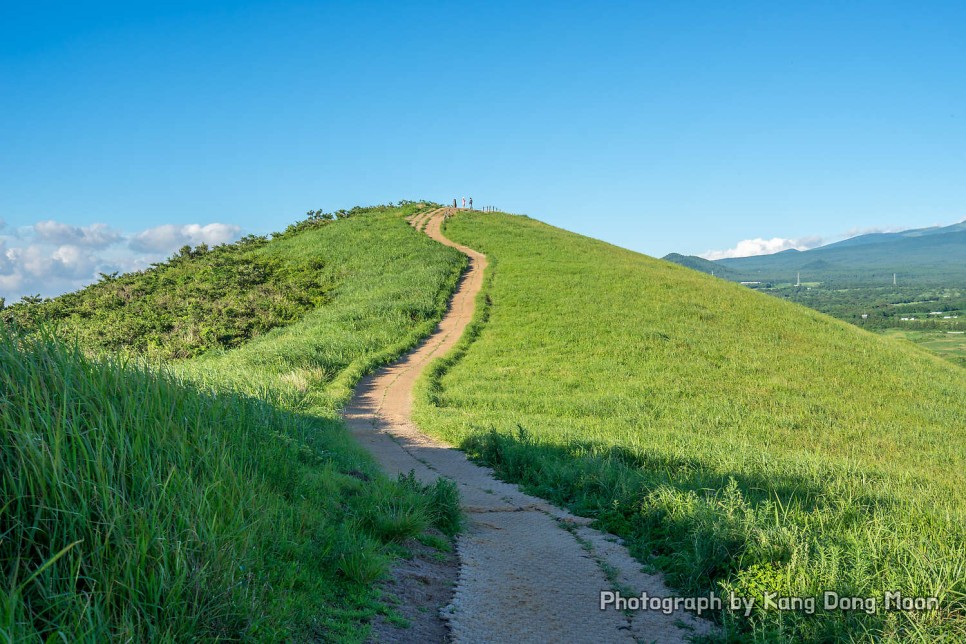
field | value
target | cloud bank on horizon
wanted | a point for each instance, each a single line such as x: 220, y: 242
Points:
x: 760, y: 246
x: 50, y: 257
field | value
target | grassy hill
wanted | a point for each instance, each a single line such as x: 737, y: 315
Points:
x: 853, y: 280
x: 217, y: 497
x: 736, y: 441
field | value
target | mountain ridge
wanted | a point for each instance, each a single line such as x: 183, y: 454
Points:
x: 935, y: 255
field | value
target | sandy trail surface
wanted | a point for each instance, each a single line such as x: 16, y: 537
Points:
x: 528, y: 571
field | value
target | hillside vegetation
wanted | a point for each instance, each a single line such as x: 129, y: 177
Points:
x: 737, y: 441
x: 201, y: 298
x: 220, y: 499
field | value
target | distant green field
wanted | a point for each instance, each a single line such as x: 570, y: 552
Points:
x: 737, y: 441
x: 924, y: 315
x: 949, y: 345
x: 217, y: 498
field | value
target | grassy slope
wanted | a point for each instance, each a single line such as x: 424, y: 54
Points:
x: 748, y: 443
x: 393, y: 285
x: 240, y: 508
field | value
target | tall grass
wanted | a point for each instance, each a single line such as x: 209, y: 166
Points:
x: 222, y: 500
x: 738, y: 442
x: 392, y: 286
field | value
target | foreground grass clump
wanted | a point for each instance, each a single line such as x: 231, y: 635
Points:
x: 136, y: 507
x: 217, y: 498
x: 738, y: 442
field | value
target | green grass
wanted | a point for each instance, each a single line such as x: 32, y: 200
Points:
x: 219, y: 497
x: 392, y: 285
x: 736, y: 441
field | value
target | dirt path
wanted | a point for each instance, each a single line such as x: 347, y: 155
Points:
x: 528, y: 572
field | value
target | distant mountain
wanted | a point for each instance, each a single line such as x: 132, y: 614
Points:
x: 921, y: 256
x: 700, y: 264
x: 878, y: 238
x: 820, y: 265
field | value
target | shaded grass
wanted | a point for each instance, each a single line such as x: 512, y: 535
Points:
x: 738, y: 442
x: 219, y: 498
x: 178, y: 514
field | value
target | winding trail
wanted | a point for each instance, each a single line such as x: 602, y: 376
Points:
x: 529, y: 572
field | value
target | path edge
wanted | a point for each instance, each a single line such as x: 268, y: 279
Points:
x: 429, y: 384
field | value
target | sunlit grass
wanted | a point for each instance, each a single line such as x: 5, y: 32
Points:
x: 392, y: 286
x: 739, y: 442
x: 218, y: 499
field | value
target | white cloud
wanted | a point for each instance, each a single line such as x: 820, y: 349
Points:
x: 6, y: 263
x: 74, y: 261
x: 40, y: 268
x: 759, y: 246
x: 94, y: 236
x: 168, y: 238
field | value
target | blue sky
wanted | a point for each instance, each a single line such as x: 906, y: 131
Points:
x: 687, y: 126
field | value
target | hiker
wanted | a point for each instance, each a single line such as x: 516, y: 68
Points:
x: 464, y: 202
x: 454, y: 202
x: 471, y: 203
